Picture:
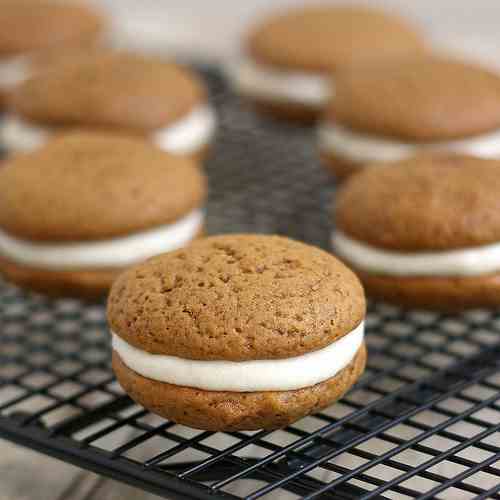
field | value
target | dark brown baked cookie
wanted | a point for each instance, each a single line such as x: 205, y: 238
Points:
x: 35, y: 25
x: 429, y: 207
x: 84, y: 283
x: 423, y: 204
x: 291, y: 56
x: 424, y: 100
x: 114, y: 90
x: 439, y: 293
x: 237, y: 298
x: 61, y: 192
x: 91, y: 189
x: 394, y: 111
x: 326, y: 38
x: 340, y: 167
x: 231, y: 411
x: 295, y: 112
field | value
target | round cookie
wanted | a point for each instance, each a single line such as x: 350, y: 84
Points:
x: 424, y: 232
x: 291, y: 57
x: 112, y: 91
x: 32, y: 27
x: 392, y: 111
x: 81, y: 209
x: 238, y: 332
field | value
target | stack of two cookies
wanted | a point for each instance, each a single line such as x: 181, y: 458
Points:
x: 238, y: 332
x: 36, y: 32
x: 394, y: 111
x: 418, y: 220
x: 87, y: 205
x: 291, y: 59
x: 111, y: 91
x: 106, y: 171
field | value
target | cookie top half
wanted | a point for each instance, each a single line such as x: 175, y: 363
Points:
x: 236, y: 297
x: 325, y: 38
x: 31, y: 25
x: 115, y: 90
x: 422, y: 100
x: 427, y: 203
x: 86, y: 186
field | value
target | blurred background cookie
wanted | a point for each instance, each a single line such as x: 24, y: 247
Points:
x: 291, y: 58
x: 79, y: 210
x: 160, y: 101
x: 392, y: 111
x: 424, y: 232
x: 33, y: 28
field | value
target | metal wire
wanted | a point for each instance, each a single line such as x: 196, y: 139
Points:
x: 424, y: 422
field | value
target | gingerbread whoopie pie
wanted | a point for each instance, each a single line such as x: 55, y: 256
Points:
x: 32, y: 28
x: 393, y: 111
x: 291, y: 58
x: 424, y: 232
x: 238, y: 332
x: 123, y: 92
x: 85, y: 206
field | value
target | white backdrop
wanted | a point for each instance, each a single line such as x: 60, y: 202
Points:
x: 212, y: 28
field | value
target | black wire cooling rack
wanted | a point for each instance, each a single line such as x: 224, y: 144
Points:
x: 424, y: 421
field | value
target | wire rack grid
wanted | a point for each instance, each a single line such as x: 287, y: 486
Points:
x: 424, y: 421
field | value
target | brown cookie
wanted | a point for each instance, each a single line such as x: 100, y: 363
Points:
x: 446, y: 294
x: 114, y: 90
x: 84, y: 283
x: 88, y: 189
x: 61, y: 192
x: 425, y: 100
x: 291, y: 56
x: 448, y: 202
x: 326, y: 38
x: 36, y: 25
x: 426, y: 227
x: 296, y: 112
x: 394, y: 111
x: 87, y: 284
x: 257, y: 281
x: 340, y: 167
x: 232, y: 411
x: 237, y: 299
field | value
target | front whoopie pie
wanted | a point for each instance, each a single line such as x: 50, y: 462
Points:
x: 392, y: 111
x: 112, y: 91
x: 34, y: 27
x: 238, y: 332
x: 291, y: 58
x: 79, y: 210
x: 424, y: 232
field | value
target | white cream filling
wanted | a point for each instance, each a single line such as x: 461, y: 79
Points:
x: 185, y: 136
x: 454, y: 263
x: 112, y: 253
x: 256, y: 80
x: 20, y: 136
x: 244, y: 376
x: 362, y: 148
x: 13, y: 71
x: 188, y: 134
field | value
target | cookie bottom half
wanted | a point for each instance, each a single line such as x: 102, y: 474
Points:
x: 436, y: 293
x: 200, y: 155
x: 230, y: 411
x: 295, y: 112
x: 340, y: 167
x: 89, y: 284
